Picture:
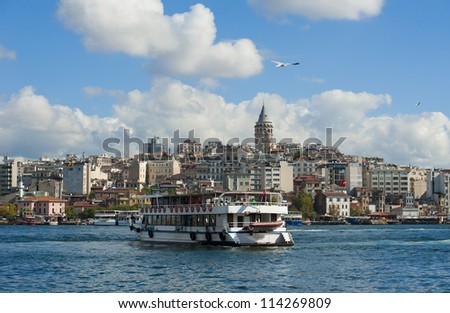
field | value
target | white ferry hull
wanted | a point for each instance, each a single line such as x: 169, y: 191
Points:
x: 105, y: 222
x: 240, y: 238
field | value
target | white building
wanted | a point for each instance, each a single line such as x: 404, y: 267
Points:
x: 330, y: 203
x: 353, y: 176
x: 277, y: 177
x: 80, y: 176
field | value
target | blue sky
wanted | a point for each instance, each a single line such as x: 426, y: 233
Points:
x: 74, y: 73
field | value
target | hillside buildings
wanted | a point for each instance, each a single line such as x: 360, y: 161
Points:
x: 336, y: 182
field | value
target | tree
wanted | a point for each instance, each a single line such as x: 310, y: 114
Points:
x: 71, y: 213
x: 146, y: 190
x: 91, y: 195
x: 9, y: 211
x: 333, y: 210
x: 87, y: 213
x: 303, y: 202
x: 356, y: 211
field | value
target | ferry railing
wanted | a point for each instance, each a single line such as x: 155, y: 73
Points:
x: 200, y: 208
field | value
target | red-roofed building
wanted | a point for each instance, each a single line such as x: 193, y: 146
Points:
x: 80, y: 206
x: 308, y: 184
x: 45, y: 206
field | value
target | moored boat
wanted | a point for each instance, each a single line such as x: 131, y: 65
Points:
x: 229, y: 219
x: 106, y: 218
x: 123, y: 217
x: 293, y: 219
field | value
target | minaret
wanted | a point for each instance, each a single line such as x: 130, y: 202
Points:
x: 263, y: 132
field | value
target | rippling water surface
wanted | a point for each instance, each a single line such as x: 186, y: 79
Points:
x: 374, y: 258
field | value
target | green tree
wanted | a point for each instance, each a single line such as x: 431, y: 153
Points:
x: 71, y: 213
x: 146, y: 190
x: 303, y: 202
x: 91, y: 195
x: 87, y: 213
x: 9, y: 211
x: 356, y: 211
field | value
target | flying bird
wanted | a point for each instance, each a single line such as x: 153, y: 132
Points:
x: 282, y: 64
x: 418, y: 103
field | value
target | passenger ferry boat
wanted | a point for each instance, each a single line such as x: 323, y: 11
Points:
x: 113, y: 217
x: 106, y: 218
x: 293, y: 219
x: 228, y: 219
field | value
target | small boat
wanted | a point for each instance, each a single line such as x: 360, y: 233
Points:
x: 293, y: 219
x: 52, y: 221
x: 28, y: 221
x: 28, y: 218
x: 106, y: 218
x: 227, y: 219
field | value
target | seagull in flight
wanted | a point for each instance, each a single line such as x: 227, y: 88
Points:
x: 282, y: 64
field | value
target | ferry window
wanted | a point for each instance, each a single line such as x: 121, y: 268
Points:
x: 230, y: 219
x: 240, y: 220
x: 273, y: 217
x: 186, y: 220
x: 255, y: 218
x: 212, y: 220
x: 200, y: 221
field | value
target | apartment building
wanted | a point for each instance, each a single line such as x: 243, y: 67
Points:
x: 159, y: 170
x: 393, y: 181
x: 277, y: 176
x: 8, y: 176
x: 79, y: 177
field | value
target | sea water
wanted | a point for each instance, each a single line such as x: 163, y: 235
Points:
x: 104, y: 259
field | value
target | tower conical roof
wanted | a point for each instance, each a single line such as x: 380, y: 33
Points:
x: 263, y: 117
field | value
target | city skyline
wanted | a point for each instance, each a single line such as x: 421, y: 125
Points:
x: 74, y: 74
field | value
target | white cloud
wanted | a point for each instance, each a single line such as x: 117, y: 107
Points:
x: 7, y: 54
x: 31, y: 126
x: 182, y: 44
x: 320, y: 9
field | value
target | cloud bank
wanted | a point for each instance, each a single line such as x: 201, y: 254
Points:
x: 31, y: 126
x: 181, y: 44
x: 320, y: 9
